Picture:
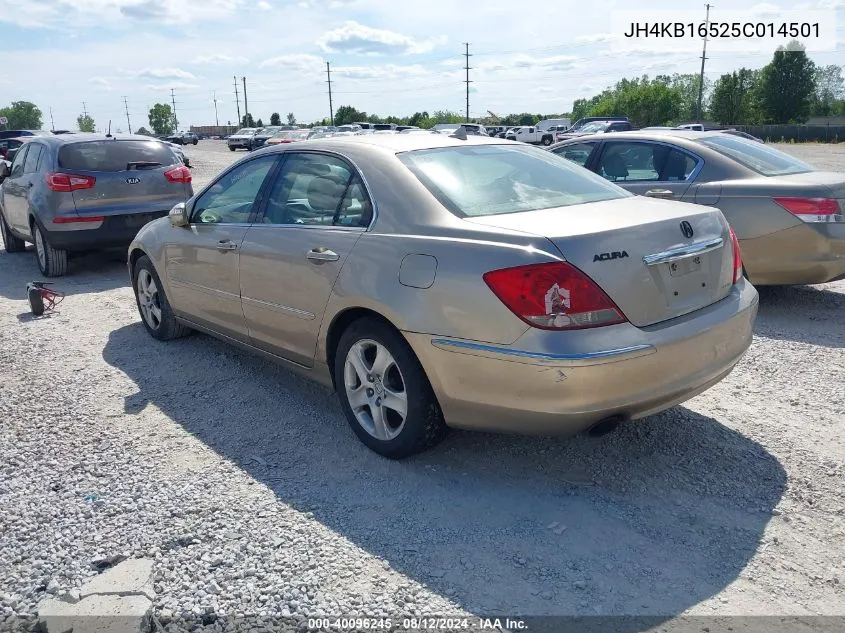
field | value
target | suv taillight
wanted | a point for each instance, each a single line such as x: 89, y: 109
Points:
x: 737, y: 255
x: 812, y: 209
x: 69, y: 182
x: 180, y: 174
x: 554, y: 296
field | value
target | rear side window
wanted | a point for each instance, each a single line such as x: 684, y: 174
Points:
x: 32, y: 157
x: 115, y: 155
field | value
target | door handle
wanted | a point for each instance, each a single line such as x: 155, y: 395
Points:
x: 322, y: 254
x: 659, y: 193
x: 226, y: 245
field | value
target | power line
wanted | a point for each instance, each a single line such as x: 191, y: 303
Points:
x: 126, y: 106
x: 237, y: 99
x: 703, y: 58
x: 331, y: 108
x: 468, y: 82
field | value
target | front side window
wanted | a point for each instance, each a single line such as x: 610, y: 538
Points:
x: 231, y: 199
x: 492, y: 179
x: 17, y: 164
x: 317, y: 189
x: 578, y: 153
x: 763, y: 159
x: 642, y: 162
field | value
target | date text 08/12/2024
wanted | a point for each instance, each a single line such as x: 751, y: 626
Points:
x: 416, y: 624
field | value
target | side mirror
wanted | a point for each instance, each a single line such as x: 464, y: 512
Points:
x: 4, y: 170
x: 178, y: 215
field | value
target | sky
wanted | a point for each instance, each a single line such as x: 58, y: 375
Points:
x: 387, y: 56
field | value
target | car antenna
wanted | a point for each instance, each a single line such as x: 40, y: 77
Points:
x: 108, y: 134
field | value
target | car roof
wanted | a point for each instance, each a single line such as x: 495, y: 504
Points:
x: 644, y: 135
x: 83, y: 137
x: 396, y: 143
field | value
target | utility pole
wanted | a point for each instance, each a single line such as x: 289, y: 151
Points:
x: 331, y: 108
x: 126, y: 106
x: 52, y: 122
x: 216, y: 118
x: 175, y: 120
x: 237, y: 100
x: 703, y: 58
x: 84, y: 110
x: 467, y: 81
x: 246, y: 107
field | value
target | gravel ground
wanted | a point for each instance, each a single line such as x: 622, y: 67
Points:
x: 245, y: 485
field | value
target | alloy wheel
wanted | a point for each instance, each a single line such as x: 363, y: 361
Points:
x: 148, y: 299
x: 375, y: 389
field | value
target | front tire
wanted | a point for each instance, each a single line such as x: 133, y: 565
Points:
x: 384, y: 392
x: 11, y: 243
x: 231, y: 149
x: 156, y: 313
x: 52, y: 262
x: 547, y: 141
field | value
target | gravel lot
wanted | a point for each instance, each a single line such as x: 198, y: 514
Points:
x: 245, y: 485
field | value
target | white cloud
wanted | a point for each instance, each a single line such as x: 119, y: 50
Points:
x: 265, y: 6
x: 172, y: 86
x: 99, y: 81
x: 364, y: 40
x: 382, y: 71
x: 594, y: 38
x: 300, y: 61
x: 166, y: 73
x: 764, y: 9
x: 219, y: 59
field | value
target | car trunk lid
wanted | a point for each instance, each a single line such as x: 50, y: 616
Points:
x: 129, y: 176
x: 655, y: 259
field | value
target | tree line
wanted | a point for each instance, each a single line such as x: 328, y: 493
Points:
x: 789, y: 89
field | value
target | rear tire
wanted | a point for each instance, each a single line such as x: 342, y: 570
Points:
x: 11, y: 243
x: 153, y: 306
x: 52, y: 262
x: 375, y: 368
x: 231, y: 149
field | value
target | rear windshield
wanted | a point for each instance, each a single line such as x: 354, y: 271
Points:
x: 763, y: 159
x: 115, y: 155
x: 492, y: 179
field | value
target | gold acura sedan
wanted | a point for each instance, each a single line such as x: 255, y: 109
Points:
x: 439, y: 281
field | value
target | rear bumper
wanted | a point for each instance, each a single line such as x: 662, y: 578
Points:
x: 803, y: 254
x: 239, y: 143
x: 114, y: 232
x: 556, y: 383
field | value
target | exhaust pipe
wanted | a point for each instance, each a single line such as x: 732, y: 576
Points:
x: 606, y: 425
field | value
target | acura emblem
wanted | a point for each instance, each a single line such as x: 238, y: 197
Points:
x: 135, y: 181
x: 686, y: 229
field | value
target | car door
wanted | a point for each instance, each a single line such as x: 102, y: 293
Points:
x: 315, y: 212
x: 201, y: 259
x: 16, y: 192
x: 648, y: 168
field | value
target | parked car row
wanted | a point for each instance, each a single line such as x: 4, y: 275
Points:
x: 439, y: 279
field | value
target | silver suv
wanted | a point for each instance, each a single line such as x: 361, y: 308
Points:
x: 86, y: 192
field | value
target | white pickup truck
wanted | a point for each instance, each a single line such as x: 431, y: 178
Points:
x: 534, y: 136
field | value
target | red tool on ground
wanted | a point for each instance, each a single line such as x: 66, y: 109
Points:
x: 41, y: 298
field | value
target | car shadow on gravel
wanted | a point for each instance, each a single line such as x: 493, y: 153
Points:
x: 804, y: 314
x: 650, y: 520
x: 93, y: 272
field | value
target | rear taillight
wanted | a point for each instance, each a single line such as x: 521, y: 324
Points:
x: 737, y: 254
x: 72, y: 219
x: 553, y: 296
x: 812, y: 209
x: 180, y: 174
x: 69, y: 182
